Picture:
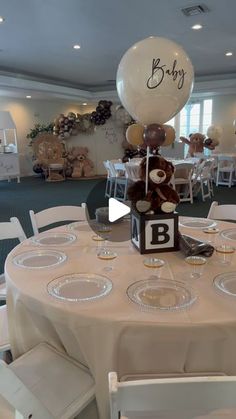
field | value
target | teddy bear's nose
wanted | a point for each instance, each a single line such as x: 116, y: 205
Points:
x: 157, y: 176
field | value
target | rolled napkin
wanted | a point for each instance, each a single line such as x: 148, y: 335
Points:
x: 192, y: 247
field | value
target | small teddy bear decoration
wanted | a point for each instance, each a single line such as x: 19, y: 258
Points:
x: 197, y: 142
x: 160, y: 196
x: 79, y: 163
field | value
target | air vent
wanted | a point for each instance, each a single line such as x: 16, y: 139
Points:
x: 195, y: 10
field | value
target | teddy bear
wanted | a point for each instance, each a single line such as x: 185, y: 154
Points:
x: 197, y: 142
x: 161, y: 197
x: 80, y: 164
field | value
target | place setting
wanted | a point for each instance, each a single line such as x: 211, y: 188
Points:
x: 162, y: 294
x: 39, y: 259
x: 158, y: 290
x: 53, y: 239
x: 80, y: 287
x: 197, y: 223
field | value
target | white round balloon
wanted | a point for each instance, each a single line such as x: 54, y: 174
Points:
x: 154, y: 80
x: 214, y: 132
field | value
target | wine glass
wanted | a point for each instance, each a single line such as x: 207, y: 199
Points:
x: 155, y: 264
x: 225, y: 253
x: 212, y: 233
x: 106, y: 254
x: 196, y: 264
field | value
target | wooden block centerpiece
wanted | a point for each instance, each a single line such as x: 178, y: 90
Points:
x: 153, y: 233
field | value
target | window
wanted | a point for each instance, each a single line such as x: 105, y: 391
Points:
x: 196, y: 116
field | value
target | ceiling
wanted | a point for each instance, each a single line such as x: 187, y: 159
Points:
x: 37, y: 37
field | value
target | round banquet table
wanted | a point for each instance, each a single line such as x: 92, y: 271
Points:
x: 113, y: 333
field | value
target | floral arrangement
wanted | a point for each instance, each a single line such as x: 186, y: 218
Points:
x: 66, y: 125
x: 38, y: 129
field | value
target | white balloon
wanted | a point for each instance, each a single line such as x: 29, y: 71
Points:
x: 122, y: 115
x: 214, y: 132
x: 154, y: 80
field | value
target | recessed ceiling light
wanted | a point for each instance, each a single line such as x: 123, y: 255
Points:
x: 28, y: 97
x: 84, y: 103
x: 228, y: 54
x: 197, y: 27
x: 2, y: 19
x: 76, y: 46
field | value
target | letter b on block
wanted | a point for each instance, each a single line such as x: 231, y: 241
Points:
x: 160, y: 234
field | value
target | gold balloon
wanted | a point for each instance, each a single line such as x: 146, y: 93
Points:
x: 170, y: 135
x: 134, y: 134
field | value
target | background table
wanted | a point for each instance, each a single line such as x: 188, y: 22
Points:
x: 112, y: 333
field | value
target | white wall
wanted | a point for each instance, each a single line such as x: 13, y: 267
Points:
x: 104, y: 144
x: 223, y: 114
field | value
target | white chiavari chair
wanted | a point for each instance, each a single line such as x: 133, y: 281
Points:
x: 225, y: 171
x: 121, y: 181
x: 174, y: 398
x: 222, y: 212
x: 46, y: 384
x: 9, y: 230
x: 53, y: 215
x: 110, y: 183
x: 182, y: 181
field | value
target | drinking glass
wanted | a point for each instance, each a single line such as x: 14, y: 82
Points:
x: 106, y: 254
x: 104, y: 231
x: 225, y: 253
x: 155, y: 264
x: 212, y: 234
x: 196, y: 264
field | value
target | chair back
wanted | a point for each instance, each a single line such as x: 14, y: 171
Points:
x: 117, y: 168
x: 227, y: 161
x: 183, y: 170
x: 185, y: 398
x: 207, y: 168
x: 57, y: 214
x: 222, y: 212
x: 108, y: 169
x: 12, y: 230
x: 133, y: 170
x: 111, y: 168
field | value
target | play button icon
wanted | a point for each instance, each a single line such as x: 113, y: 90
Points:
x: 117, y: 210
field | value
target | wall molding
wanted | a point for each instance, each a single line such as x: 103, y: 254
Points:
x: 20, y: 87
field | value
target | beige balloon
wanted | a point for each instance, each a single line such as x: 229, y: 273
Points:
x: 134, y: 134
x: 170, y: 135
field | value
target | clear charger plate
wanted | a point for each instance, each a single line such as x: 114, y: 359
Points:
x: 53, y: 239
x: 229, y: 234
x: 80, y: 287
x: 199, y: 223
x: 226, y: 283
x: 38, y: 259
x: 161, y: 294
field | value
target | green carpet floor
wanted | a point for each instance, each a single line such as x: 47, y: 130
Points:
x: 34, y: 193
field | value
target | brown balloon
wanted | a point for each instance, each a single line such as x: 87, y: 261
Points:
x: 154, y: 135
x: 170, y: 135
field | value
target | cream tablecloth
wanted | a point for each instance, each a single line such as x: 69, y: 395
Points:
x: 113, y: 333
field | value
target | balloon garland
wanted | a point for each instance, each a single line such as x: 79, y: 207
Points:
x: 73, y: 123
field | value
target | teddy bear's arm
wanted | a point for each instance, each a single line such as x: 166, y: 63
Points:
x: 169, y: 193
x: 184, y: 140
x: 136, y: 192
